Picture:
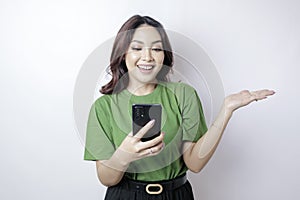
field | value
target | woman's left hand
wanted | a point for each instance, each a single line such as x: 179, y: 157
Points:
x: 245, y: 97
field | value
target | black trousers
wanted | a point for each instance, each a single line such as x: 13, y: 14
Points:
x: 121, y: 192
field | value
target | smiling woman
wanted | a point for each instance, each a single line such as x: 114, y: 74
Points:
x: 125, y: 45
x: 133, y: 169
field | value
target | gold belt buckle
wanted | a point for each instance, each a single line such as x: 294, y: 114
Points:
x: 159, y: 186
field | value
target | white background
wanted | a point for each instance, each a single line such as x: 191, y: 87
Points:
x: 43, y: 44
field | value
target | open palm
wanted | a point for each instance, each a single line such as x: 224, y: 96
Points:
x: 243, y: 98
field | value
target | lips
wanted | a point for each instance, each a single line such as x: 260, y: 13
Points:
x: 145, y: 67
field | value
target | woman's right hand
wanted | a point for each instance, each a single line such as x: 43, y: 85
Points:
x: 111, y: 171
x: 132, y: 148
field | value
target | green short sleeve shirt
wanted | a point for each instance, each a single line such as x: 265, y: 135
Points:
x: 182, y: 120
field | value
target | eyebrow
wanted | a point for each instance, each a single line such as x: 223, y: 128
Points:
x: 138, y: 41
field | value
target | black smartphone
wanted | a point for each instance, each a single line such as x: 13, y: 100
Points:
x: 142, y: 114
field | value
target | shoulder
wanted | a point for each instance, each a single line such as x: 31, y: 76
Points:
x: 102, y: 102
x: 103, y: 98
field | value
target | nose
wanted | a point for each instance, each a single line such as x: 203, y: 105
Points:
x: 146, y: 54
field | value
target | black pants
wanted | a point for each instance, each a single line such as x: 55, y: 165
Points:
x: 121, y: 192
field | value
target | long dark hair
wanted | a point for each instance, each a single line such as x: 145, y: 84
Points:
x: 122, y: 41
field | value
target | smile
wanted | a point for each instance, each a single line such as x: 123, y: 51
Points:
x: 145, y: 67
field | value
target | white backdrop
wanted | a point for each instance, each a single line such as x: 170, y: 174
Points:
x: 43, y: 44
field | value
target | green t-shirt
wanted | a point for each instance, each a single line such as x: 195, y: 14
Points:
x: 182, y: 120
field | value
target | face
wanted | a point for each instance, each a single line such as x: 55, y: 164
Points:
x: 145, y: 55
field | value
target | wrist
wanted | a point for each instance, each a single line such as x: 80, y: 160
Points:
x: 118, y: 161
x: 226, y: 111
x: 121, y: 157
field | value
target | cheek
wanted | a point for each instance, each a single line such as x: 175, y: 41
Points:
x: 160, y: 59
x: 131, y: 59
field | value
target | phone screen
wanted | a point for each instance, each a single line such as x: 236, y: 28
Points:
x: 142, y: 114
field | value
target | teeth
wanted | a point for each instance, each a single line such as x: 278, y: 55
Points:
x: 146, y: 67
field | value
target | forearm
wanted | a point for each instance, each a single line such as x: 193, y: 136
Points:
x: 110, y: 172
x: 198, y: 154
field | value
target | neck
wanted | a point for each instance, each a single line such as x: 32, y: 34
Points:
x: 141, y: 89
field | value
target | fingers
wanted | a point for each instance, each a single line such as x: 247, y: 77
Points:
x: 145, y: 129
x: 130, y: 134
x: 156, y: 149
x: 257, y: 95
x: 154, y: 141
x: 245, y: 97
x: 152, y: 151
x: 141, y: 146
x: 262, y: 94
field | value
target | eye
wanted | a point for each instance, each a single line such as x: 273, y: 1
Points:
x: 157, y: 49
x: 136, y: 48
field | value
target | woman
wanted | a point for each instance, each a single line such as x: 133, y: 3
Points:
x: 131, y: 169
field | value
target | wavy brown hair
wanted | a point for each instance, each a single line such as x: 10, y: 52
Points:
x: 118, y: 68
